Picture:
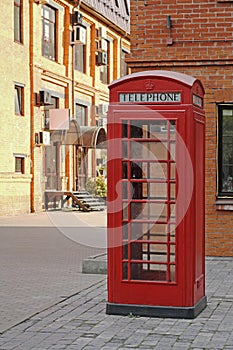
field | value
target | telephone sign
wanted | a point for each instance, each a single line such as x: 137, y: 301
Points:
x: 161, y: 97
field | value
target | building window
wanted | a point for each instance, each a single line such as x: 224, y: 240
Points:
x: 19, y: 100
x: 54, y: 105
x: 19, y: 165
x: 18, y: 21
x: 80, y: 57
x: 49, y: 23
x: 81, y: 114
x: 105, y: 69
x: 124, y: 65
x: 225, y: 150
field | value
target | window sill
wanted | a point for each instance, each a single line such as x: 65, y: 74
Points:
x: 224, y: 204
x: 51, y: 58
x: 19, y: 42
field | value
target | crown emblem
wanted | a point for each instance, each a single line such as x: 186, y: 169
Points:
x: 149, y: 85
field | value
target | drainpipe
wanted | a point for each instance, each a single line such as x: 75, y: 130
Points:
x: 32, y: 126
x: 77, y: 4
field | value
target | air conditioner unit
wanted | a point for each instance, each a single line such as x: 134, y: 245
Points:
x: 79, y: 35
x: 76, y: 18
x: 102, y: 33
x: 44, y: 138
x: 103, y: 45
x: 44, y: 98
x: 100, y: 122
x: 103, y: 109
x: 101, y: 59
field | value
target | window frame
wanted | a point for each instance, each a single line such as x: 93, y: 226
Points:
x: 82, y: 120
x: 18, y: 9
x: 80, y: 52
x: 19, y: 99
x: 105, y: 69
x: 19, y: 167
x: 220, y: 192
x: 51, y: 24
x: 124, y: 65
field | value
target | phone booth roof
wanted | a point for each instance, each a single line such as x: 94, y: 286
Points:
x: 161, y: 74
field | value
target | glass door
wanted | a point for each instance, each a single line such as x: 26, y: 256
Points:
x: 52, y: 166
x: 149, y: 200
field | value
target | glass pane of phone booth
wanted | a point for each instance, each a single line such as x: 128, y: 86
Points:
x: 149, y: 200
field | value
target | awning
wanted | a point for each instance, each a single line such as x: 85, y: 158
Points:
x: 85, y: 136
x: 93, y: 136
x: 73, y: 135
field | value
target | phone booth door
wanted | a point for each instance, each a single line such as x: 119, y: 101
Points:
x: 148, y: 197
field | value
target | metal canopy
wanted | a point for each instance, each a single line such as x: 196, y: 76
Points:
x: 93, y: 136
x: 85, y: 136
x: 73, y: 135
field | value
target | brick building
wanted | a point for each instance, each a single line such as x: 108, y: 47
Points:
x: 57, y: 59
x: 195, y: 37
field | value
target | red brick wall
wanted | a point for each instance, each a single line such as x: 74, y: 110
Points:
x: 202, y: 47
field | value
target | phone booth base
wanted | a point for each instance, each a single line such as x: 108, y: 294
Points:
x: 157, y: 311
x: 156, y: 196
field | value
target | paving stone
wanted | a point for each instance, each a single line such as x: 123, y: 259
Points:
x: 80, y: 323
x: 110, y: 347
x: 181, y: 345
x: 202, y: 340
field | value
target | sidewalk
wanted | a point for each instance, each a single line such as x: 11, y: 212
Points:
x: 79, y: 321
x: 41, y: 259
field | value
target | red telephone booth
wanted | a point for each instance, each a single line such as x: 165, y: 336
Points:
x: 156, y: 212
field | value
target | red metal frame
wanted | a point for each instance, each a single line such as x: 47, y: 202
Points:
x: 161, y: 263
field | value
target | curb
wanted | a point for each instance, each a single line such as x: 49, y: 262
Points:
x: 95, y: 264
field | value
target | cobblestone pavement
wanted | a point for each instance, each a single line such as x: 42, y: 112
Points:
x: 80, y: 322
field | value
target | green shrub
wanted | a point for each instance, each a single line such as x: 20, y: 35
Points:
x: 101, y: 187
x: 97, y: 186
